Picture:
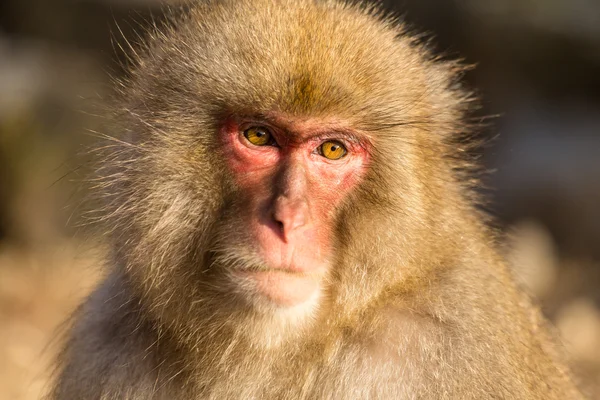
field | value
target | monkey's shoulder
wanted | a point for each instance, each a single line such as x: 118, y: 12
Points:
x: 423, y: 338
x: 110, y: 352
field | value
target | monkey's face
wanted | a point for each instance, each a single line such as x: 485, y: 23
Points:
x: 291, y: 175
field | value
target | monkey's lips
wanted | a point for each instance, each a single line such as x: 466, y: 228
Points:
x: 282, y: 286
x: 290, y: 270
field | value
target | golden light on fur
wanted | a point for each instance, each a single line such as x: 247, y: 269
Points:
x: 348, y: 260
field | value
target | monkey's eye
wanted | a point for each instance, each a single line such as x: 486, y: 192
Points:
x: 259, y: 136
x: 332, y: 150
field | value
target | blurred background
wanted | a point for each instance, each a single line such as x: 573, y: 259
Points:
x: 537, y: 71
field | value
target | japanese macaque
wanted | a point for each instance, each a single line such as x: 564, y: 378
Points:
x: 292, y: 217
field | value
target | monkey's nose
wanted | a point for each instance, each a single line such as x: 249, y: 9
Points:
x: 290, y: 215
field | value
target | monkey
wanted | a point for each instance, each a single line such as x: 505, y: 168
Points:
x: 292, y: 216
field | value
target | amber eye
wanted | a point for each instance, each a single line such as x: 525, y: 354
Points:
x: 259, y: 136
x: 332, y: 150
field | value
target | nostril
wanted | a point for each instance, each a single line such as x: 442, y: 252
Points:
x: 279, y: 225
x: 277, y: 220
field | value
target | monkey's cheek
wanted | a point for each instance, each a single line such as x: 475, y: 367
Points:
x: 283, y: 288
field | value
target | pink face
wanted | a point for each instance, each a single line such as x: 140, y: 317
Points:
x: 292, y: 175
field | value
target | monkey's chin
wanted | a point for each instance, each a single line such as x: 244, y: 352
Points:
x: 282, y: 287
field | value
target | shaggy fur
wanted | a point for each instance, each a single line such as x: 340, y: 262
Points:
x: 418, y: 304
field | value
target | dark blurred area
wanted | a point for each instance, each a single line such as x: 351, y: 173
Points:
x: 537, y: 72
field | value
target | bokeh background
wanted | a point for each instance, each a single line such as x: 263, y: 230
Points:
x: 537, y: 72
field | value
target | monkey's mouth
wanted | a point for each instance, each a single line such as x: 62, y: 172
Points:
x: 283, y: 287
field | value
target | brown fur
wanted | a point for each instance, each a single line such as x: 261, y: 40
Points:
x: 418, y: 305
